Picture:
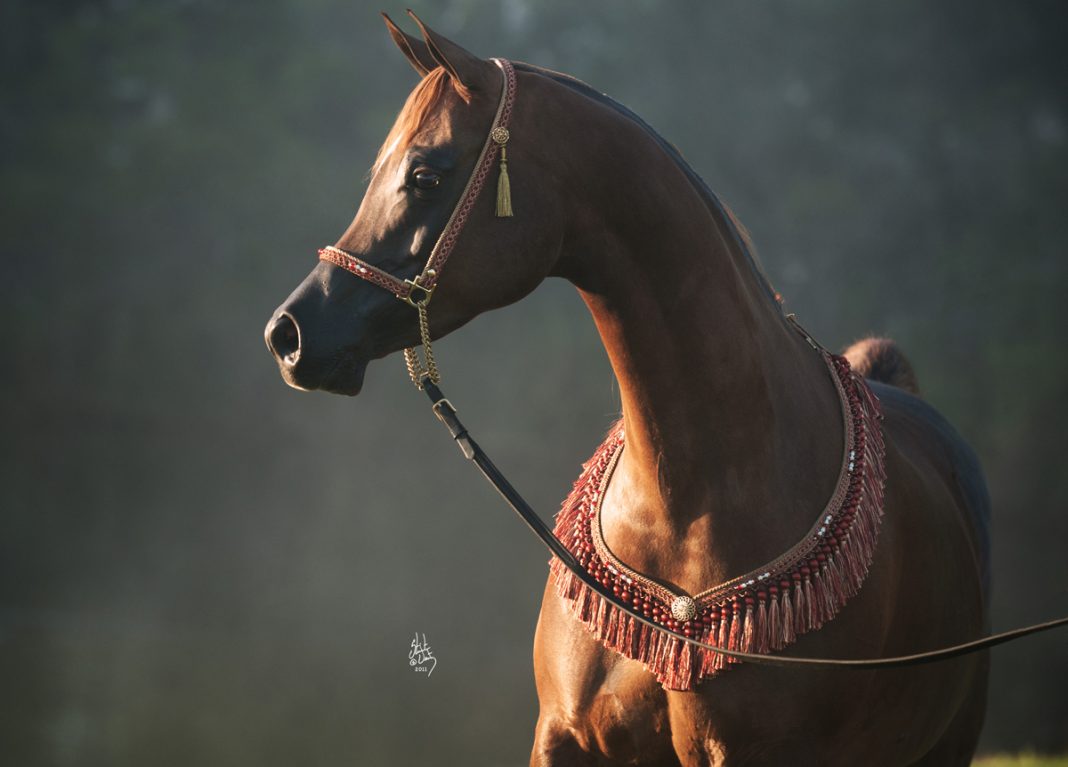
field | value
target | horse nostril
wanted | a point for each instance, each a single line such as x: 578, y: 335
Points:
x: 283, y: 337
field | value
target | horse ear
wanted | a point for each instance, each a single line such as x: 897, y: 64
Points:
x: 414, y: 49
x: 467, y: 69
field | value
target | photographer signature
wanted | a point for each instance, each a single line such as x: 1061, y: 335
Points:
x: 420, y: 654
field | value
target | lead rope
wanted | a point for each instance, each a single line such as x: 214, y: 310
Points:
x: 426, y: 377
x: 446, y: 413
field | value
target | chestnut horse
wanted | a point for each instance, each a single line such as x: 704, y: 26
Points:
x: 734, y: 430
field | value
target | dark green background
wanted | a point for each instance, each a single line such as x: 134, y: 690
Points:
x: 201, y: 566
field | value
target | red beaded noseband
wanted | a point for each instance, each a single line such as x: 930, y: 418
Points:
x: 418, y: 291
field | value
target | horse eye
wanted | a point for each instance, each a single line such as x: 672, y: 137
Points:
x: 426, y: 179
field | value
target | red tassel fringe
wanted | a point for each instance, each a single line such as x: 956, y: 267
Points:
x: 810, y: 593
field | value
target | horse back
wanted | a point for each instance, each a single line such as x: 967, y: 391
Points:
x: 931, y: 444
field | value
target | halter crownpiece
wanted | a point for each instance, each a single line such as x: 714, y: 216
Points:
x: 418, y: 291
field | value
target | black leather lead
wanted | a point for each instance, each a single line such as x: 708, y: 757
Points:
x: 446, y: 413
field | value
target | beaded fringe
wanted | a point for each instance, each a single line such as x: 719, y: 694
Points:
x: 766, y: 619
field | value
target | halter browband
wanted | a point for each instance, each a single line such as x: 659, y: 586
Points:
x: 418, y: 290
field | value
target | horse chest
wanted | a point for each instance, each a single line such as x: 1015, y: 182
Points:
x: 600, y: 708
x: 619, y: 715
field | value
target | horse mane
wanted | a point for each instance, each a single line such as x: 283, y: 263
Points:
x: 717, y: 207
x: 423, y: 101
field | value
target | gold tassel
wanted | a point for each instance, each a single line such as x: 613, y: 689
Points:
x: 504, y: 184
x: 504, y: 189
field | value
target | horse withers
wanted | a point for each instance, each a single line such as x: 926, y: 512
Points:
x: 737, y: 428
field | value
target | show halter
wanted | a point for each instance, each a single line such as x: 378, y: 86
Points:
x: 680, y: 638
x: 420, y: 289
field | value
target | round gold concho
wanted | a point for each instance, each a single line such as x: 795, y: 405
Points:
x: 683, y: 609
x: 500, y: 135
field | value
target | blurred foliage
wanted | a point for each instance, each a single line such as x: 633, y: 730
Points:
x: 1021, y: 760
x: 198, y: 565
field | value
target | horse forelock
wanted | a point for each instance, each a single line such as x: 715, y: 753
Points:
x: 427, y: 97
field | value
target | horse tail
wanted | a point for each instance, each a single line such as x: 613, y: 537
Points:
x: 881, y: 359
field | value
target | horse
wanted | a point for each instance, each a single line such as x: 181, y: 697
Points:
x: 734, y: 429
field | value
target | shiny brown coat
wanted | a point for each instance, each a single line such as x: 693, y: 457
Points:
x: 734, y: 434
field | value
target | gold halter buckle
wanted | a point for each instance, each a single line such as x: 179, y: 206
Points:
x: 418, y: 295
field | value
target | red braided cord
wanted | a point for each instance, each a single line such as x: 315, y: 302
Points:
x: 444, y: 247
x: 367, y: 271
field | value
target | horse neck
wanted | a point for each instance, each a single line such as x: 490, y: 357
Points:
x: 733, y: 427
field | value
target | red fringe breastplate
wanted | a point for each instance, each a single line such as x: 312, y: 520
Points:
x: 761, y: 611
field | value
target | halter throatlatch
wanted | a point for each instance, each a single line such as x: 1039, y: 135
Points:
x: 418, y: 291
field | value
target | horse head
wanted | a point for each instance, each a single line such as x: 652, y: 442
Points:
x: 325, y: 334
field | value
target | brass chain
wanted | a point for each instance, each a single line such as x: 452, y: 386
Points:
x: 418, y: 369
x: 414, y: 367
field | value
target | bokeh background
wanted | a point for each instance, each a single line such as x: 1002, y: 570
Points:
x: 201, y: 566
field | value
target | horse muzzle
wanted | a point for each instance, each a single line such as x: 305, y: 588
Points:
x: 340, y: 372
